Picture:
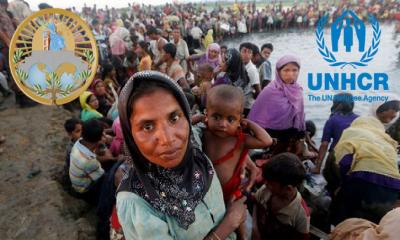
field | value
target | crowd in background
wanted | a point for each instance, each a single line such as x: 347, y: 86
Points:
x: 249, y: 123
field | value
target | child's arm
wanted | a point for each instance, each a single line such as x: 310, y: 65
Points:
x: 261, y: 138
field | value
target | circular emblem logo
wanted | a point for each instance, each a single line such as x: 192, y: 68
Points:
x: 53, y: 56
x: 348, y: 23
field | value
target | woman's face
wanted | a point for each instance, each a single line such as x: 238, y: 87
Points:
x: 387, y: 116
x: 100, y: 89
x: 212, y: 54
x: 93, y: 102
x: 159, y: 128
x: 289, y: 73
x: 223, y: 66
x: 139, y: 51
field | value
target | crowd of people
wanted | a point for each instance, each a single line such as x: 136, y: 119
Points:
x: 179, y: 137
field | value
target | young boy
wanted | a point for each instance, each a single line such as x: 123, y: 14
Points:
x: 224, y: 141
x: 85, y: 170
x: 280, y: 211
x: 265, y: 68
x: 73, y: 127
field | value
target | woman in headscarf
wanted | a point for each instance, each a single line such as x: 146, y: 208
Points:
x: 98, y: 88
x: 232, y: 69
x: 171, y: 191
x: 370, y: 181
x: 279, y: 108
x: 211, y: 56
x: 89, y: 104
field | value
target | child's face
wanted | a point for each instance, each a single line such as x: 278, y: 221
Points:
x: 246, y: 54
x: 93, y: 102
x: 387, y: 116
x: 76, y: 134
x: 276, y: 188
x: 100, y: 89
x: 205, y: 75
x: 223, y: 118
x: 266, y: 52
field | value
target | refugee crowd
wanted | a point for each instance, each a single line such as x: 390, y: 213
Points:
x: 179, y: 137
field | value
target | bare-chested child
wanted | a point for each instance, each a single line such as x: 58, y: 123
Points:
x: 226, y: 144
x: 224, y: 140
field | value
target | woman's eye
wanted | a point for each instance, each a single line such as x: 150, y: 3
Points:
x: 148, y: 126
x: 174, y: 118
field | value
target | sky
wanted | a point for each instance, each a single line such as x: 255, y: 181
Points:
x: 100, y: 3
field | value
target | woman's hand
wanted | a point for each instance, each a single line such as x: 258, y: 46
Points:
x: 235, y: 215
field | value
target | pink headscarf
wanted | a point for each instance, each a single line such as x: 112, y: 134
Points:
x: 207, y: 60
x: 118, y: 139
x: 280, y: 106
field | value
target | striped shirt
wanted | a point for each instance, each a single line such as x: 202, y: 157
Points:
x: 84, y: 169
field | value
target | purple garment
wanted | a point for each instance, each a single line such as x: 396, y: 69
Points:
x: 371, y: 177
x: 224, y: 79
x: 205, y: 58
x: 335, y: 126
x: 280, y: 106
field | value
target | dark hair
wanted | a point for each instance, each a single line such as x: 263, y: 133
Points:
x: 71, y: 123
x: 92, y: 131
x: 390, y: 105
x: 247, y: 45
x: 255, y: 49
x: 226, y: 93
x: 170, y: 49
x: 145, y: 46
x: 106, y: 122
x: 311, y: 128
x: 286, y: 169
x: 107, y: 68
x: 342, y: 103
x: 152, y: 30
x: 224, y: 46
x: 95, y: 22
x: 44, y: 6
x: 267, y: 45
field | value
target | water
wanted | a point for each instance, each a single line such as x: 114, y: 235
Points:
x: 302, y: 43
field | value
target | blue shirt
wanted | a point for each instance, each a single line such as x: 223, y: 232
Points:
x: 140, y: 221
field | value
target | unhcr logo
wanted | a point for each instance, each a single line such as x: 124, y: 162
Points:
x: 345, y: 29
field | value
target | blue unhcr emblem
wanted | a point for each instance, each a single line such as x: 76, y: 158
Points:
x: 336, y: 30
